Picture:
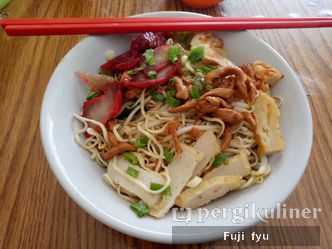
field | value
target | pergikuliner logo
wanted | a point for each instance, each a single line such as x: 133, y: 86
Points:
x: 239, y: 214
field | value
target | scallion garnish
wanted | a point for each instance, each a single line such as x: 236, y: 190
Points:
x: 170, y: 92
x: 167, y: 191
x: 204, y: 69
x: 152, y: 74
x: 174, y: 53
x: 132, y: 72
x: 195, y: 92
x: 169, y: 155
x: 194, y: 182
x: 141, y: 209
x: 220, y: 159
x: 149, y: 57
x: 196, y: 54
x: 171, y: 101
x: 157, y: 96
x: 130, y: 157
x: 156, y: 186
x: 199, y: 83
x: 141, y: 141
x: 136, y: 70
x: 184, y: 38
x: 172, y: 82
x: 133, y: 172
x: 91, y: 95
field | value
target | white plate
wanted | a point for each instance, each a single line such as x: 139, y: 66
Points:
x: 81, y: 177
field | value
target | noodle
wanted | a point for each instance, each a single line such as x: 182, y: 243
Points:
x: 117, y: 134
x: 279, y: 100
x: 148, y: 134
x: 200, y: 127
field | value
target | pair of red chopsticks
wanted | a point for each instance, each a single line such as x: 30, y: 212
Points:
x: 69, y: 26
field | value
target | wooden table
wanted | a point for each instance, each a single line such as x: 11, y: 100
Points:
x: 35, y: 212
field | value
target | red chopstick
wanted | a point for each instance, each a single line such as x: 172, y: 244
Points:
x: 41, y: 21
x: 36, y: 21
x: 17, y: 27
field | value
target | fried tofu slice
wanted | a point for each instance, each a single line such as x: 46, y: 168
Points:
x: 208, y: 190
x: 267, y: 131
x: 210, y: 146
x: 117, y: 172
x: 265, y: 72
x: 180, y: 171
x: 213, y: 49
x: 237, y: 165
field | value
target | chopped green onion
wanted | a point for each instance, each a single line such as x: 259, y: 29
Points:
x: 149, y: 57
x: 220, y: 159
x: 195, y: 92
x: 171, y: 93
x: 184, y: 38
x: 141, y: 141
x: 196, y: 54
x: 167, y: 191
x: 133, y: 172
x: 130, y: 157
x: 193, y: 183
x: 157, y: 96
x: 171, y: 101
x: 169, y: 155
x: 141, y: 67
x: 173, y: 54
x: 141, y: 209
x: 156, y: 186
x: 152, y: 74
x: 91, y: 95
x: 204, y: 69
x: 132, y: 72
x: 199, y: 83
x: 136, y: 70
x: 172, y: 82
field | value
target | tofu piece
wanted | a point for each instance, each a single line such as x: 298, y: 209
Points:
x: 180, y: 171
x: 267, y: 131
x: 213, y: 49
x: 238, y: 165
x: 208, y: 190
x: 118, y: 173
x: 210, y: 146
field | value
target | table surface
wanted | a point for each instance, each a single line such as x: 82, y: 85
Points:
x: 35, y: 212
